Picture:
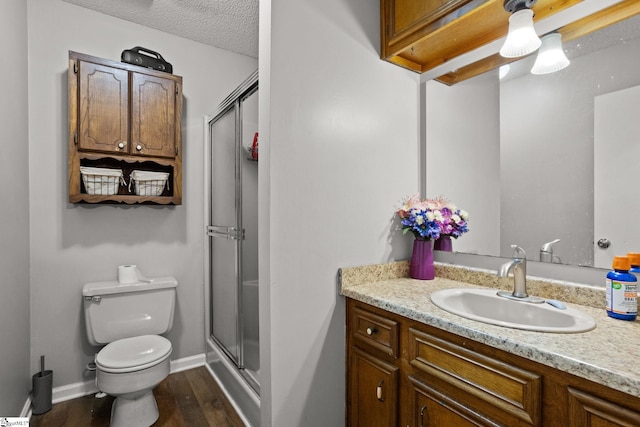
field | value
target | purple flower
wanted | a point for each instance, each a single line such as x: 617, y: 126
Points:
x: 429, y: 219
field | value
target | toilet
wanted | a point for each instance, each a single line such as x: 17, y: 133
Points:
x: 127, y: 319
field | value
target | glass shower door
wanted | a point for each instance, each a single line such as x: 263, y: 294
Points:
x: 225, y: 234
x: 233, y: 231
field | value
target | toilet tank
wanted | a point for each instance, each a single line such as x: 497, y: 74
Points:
x: 114, y: 310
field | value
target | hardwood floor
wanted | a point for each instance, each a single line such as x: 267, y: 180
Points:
x: 189, y: 398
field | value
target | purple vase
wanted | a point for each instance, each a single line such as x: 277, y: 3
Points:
x: 443, y: 244
x: 421, y: 266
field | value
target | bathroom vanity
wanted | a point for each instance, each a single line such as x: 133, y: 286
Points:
x: 409, y: 363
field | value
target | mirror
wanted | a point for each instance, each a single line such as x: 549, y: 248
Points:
x: 525, y: 155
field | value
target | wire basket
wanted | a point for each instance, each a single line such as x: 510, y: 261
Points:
x: 101, y: 181
x: 147, y: 183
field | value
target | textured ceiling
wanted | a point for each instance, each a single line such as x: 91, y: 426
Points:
x: 227, y: 24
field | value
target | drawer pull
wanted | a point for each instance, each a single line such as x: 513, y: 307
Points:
x: 121, y: 145
x: 371, y: 331
x: 379, y: 391
x: 422, y: 412
x: 139, y: 147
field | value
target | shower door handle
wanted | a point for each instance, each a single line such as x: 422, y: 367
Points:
x: 232, y: 233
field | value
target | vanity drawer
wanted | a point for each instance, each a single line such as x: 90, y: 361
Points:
x: 496, y: 388
x: 375, y: 330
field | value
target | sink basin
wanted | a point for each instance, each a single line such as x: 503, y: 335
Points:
x: 484, y: 305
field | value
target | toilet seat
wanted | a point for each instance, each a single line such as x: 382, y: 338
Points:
x: 133, y: 354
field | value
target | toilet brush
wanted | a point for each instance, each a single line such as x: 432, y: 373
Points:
x: 42, y: 390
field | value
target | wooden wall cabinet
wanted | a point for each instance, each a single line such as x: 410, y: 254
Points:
x: 123, y: 116
x: 429, y: 377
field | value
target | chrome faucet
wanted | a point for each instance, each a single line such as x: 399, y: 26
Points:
x: 518, y: 265
x: 546, y: 251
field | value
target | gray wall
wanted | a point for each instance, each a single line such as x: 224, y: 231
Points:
x: 547, y: 151
x: 463, y: 162
x: 340, y: 140
x: 520, y: 152
x: 339, y: 149
x: 75, y: 244
x: 15, y: 381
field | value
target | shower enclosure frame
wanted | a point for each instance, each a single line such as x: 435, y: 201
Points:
x: 228, y: 366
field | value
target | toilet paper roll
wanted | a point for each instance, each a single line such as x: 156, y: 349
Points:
x: 131, y: 274
x: 127, y: 274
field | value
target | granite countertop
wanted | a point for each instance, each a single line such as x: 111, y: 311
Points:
x: 606, y: 355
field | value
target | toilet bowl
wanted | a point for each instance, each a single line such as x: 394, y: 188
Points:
x: 129, y: 319
x: 129, y: 369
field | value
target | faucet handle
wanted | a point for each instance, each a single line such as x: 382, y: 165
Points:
x: 546, y: 251
x: 548, y: 247
x: 518, y: 252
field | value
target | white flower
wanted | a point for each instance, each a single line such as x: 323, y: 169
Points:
x: 464, y: 214
x: 455, y: 218
x: 419, y: 220
x: 430, y: 216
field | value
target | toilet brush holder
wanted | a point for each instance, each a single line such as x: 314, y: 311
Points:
x: 42, y: 389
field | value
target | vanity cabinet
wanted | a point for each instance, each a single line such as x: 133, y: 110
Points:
x: 374, y: 384
x: 124, y: 117
x: 435, y: 378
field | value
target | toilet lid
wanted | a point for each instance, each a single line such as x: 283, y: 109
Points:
x: 133, y: 354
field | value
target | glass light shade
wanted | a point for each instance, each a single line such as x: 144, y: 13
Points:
x: 522, y: 38
x: 551, y: 57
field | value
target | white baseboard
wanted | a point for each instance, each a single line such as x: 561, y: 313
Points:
x: 72, y: 391
x: 188, y: 363
x: 26, y: 409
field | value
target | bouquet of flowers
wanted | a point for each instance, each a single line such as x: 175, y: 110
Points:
x: 431, y: 218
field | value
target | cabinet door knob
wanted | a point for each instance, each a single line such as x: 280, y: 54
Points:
x: 121, y: 144
x: 379, y: 391
x: 371, y: 331
x: 139, y: 147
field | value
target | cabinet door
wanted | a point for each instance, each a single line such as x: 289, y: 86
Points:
x: 373, y: 391
x: 432, y: 408
x: 507, y: 393
x: 153, y: 120
x: 588, y: 410
x: 404, y: 14
x: 103, y: 108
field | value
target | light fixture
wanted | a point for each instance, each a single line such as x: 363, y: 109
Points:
x: 521, y: 38
x: 551, y: 57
